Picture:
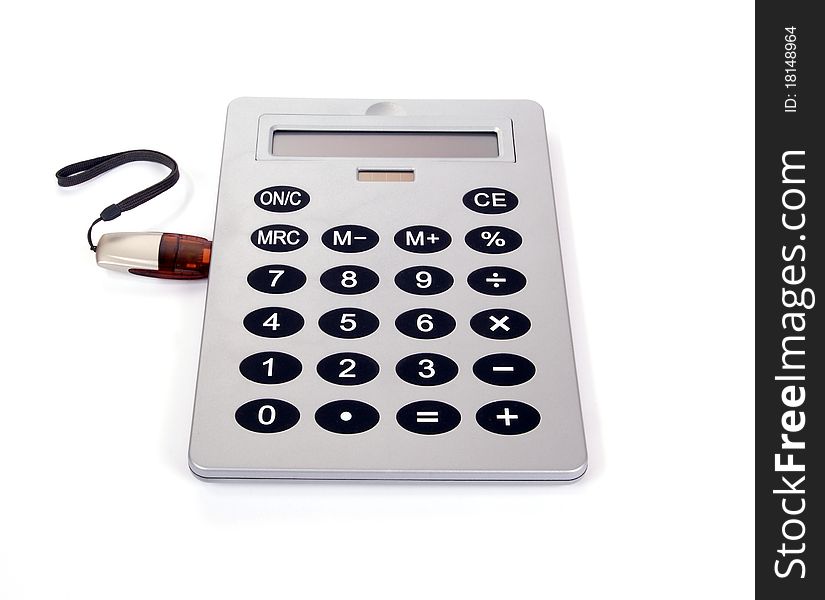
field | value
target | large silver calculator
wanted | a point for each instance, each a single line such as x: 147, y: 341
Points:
x: 386, y: 297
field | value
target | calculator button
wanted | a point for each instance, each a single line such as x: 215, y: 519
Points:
x: 422, y: 239
x: 279, y: 238
x: 424, y: 281
x: 508, y: 417
x: 349, y: 279
x: 273, y: 322
x: 347, y: 416
x: 282, y: 198
x: 348, y: 323
x: 426, y: 369
x: 428, y: 417
x: 270, y: 367
x: 276, y: 279
x: 500, y: 324
x: 350, y: 238
x: 496, y: 281
x: 425, y: 323
x: 504, y: 369
x: 490, y: 200
x: 267, y: 415
x: 348, y: 368
x: 493, y: 240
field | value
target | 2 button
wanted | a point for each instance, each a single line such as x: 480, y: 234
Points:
x: 348, y: 368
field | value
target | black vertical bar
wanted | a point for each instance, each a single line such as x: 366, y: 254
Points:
x: 790, y: 226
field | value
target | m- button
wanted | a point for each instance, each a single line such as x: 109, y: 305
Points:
x: 490, y: 200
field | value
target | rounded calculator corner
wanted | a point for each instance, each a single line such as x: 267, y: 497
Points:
x: 237, y: 100
x: 575, y: 474
x: 533, y: 105
x: 201, y: 472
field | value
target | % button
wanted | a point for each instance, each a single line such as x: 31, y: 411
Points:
x: 493, y: 240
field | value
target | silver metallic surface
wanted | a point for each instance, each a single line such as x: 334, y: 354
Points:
x: 124, y: 251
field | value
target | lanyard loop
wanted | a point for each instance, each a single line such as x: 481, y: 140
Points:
x: 83, y: 171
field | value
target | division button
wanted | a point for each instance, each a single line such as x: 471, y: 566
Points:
x: 347, y: 416
x: 504, y: 369
x: 279, y: 238
x: 508, y: 417
x: 273, y: 322
x: 348, y: 323
x: 493, y: 239
x: 349, y: 279
x: 276, y: 279
x: 270, y: 367
x: 490, y: 200
x: 348, y: 368
x: 426, y: 369
x: 422, y: 239
x: 267, y: 415
x: 496, y: 281
x: 500, y: 324
x: 425, y: 323
x: 281, y: 198
x: 424, y: 281
x: 428, y: 417
x: 350, y: 238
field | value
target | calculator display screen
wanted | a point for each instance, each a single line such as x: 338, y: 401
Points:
x: 385, y: 144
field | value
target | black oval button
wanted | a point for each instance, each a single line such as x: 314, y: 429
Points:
x: 508, y: 417
x: 493, y: 239
x: 273, y: 322
x: 425, y: 323
x: 422, y: 239
x: 282, y: 198
x: 350, y: 238
x: 496, y: 281
x: 347, y: 416
x: 424, y: 281
x: 500, y: 324
x: 504, y: 369
x: 426, y: 369
x: 348, y: 368
x: 490, y: 200
x: 348, y: 323
x: 267, y: 415
x: 349, y: 279
x: 276, y: 279
x: 279, y: 238
x: 428, y: 417
x: 270, y: 367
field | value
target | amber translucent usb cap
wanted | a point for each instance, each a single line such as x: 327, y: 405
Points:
x: 161, y: 255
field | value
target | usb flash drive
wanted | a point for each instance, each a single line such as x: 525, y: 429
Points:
x: 152, y: 254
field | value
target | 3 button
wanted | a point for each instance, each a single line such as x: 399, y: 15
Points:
x: 504, y: 369
x: 426, y: 369
x: 347, y: 416
x: 428, y: 417
x: 508, y: 417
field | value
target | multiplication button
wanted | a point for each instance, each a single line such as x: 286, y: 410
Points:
x: 496, y: 281
x: 422, y: 239
x: 508, y: 417
x: 500, y: 324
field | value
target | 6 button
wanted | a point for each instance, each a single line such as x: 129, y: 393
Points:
x: 425, y: 323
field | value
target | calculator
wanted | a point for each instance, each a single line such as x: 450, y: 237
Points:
x: 386, y: 297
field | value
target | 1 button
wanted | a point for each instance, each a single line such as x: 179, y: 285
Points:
x: 428, y: 417
x: 281, y: 198
x: 426, y: 369
x: 350, y: 238
x: 425, y: 323
x: 270, y: 367
x: 504, y: 369
x: 500, y: 324
x: 496, y: 281
x: 276, y: 279
x: 348, y: 368
x: 279, y: 238
x: 273, y: 322
x: 424, y: 281
x: 348, y: 323
x: 349, y: 279
x: 347, y: 416
x: 493, y: 240
x: 422, y: 239
x: 508, y: 417
x: 490, y: 200
x: 267, y: 415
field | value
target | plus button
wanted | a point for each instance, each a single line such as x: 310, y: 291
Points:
x: 506, y: 417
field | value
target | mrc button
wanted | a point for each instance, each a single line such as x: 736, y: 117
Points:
x: 490, y: 200
x: 281, y: 198
x: 508, y: 417
x: 279, y: 238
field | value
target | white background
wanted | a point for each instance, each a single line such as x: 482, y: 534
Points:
x: 650, y: 113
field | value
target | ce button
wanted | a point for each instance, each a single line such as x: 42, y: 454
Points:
x: 490, y: 200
